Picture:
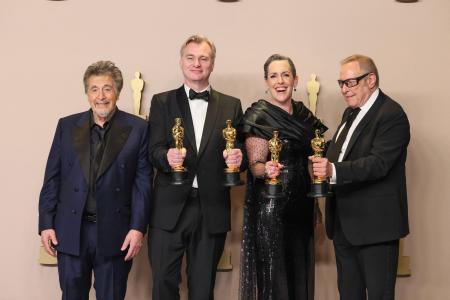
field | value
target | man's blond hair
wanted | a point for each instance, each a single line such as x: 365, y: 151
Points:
x: 198, y: 39
x: 366, y: 64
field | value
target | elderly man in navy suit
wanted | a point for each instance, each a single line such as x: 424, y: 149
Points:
x: 365, y: 162
x: 94, y: 203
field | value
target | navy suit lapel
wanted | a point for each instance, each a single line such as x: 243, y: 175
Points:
x: 368, y: 117
x: 81, y: 142
x: 210, y: 121
x: 183, y: 103
x: 117, y: 138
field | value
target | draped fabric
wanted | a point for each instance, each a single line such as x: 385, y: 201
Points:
x: 277, y: 258
x: 262, y: 118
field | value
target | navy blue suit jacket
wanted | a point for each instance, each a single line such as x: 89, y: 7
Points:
x: 123, y: 183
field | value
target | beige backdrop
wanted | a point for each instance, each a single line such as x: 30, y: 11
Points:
x: 46, y: 46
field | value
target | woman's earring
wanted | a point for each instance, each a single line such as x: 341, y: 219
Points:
x: 266, y: 91
x: 295, y: 89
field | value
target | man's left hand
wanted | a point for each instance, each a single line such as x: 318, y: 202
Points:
x: 233, y: 158
x: 133, y: 241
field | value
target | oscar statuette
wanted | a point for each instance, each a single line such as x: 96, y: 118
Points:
x: 231, y: 173
x: 273, y: 188
x: 179, y: 173
x: 137, y: 86
x: 319, y: 187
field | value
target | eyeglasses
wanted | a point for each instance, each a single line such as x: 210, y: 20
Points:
x: 351, y: 82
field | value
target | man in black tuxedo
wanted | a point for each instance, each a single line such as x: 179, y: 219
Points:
x: 93, y: 207
x: 192, y: 218
x: 365, y: 163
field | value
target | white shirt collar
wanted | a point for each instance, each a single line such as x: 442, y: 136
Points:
x: 370, y: 102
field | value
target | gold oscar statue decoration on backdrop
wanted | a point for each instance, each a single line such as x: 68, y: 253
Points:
x: 179, y: 173
x: 231, y: 173
x: 273, y: 188
x: 224, y: 264
x: 137, y: 86
x: 313, y: 88
x: 403, y: 269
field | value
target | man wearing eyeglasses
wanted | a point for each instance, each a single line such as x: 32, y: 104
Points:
x: 365, y: 164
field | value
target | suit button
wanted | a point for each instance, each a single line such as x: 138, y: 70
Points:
x: 76, y: 189
x: 117, y: 189
x: 118, y: 210
x: 122, y: 166
x: 74, y: 211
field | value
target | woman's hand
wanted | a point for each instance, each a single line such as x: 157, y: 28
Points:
x: 273, y: 169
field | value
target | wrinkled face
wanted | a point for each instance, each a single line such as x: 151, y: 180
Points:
x: 280, y: 81
x: 102, y: 96
x: 356, y: 96
x: 196, y: 63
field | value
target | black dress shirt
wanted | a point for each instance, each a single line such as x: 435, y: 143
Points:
x: 98, y: 139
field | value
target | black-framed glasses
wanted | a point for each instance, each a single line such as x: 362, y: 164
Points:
x: 351, y: 82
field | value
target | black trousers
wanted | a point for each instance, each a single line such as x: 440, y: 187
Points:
x: 203, y: 251
x: 365, y: 271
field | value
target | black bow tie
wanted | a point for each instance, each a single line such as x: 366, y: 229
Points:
x: 194, y: 95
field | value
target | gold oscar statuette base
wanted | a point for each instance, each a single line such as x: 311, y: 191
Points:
x: 45, y: 259
x: 225, y: 262
x: 403, y: 268
x: 232, y: 177
x: 179, y: 175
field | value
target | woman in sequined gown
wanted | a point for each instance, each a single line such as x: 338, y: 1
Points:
x: 277, y: 260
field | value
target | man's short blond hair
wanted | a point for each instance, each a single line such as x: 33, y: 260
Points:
x: 198, y: 39
x: 366, y: 64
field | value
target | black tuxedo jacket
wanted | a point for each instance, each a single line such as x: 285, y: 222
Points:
x: 207, y: 163
x: 123, y: 183
x: 370, y: 192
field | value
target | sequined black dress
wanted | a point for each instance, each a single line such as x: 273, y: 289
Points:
x: 277, y: 259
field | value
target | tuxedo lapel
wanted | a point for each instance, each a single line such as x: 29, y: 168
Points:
x: 81, y: 142
x: 210, y: 121
x: 117, y: 138
x: 368, y: 117
x: 183, y: 103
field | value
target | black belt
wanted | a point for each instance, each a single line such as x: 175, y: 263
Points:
x: 90, y: 217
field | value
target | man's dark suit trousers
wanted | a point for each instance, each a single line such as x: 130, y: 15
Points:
x: 203, y: 251
x: 75, y: 272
